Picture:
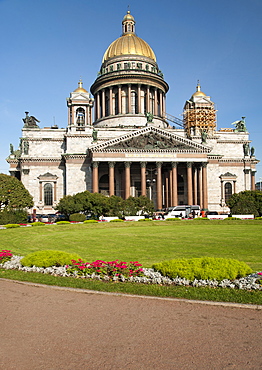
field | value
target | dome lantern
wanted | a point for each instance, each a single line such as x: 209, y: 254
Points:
x: 128, y: 24
x: 129, y: 43
x: 198, y: 90
x: 80, y: 87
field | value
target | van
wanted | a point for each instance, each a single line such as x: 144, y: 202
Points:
x: 183, y: 211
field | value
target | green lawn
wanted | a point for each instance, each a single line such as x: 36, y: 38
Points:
x: 203, y: 293
x: 146, y: 242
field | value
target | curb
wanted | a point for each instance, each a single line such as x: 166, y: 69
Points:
x: 86, y: 291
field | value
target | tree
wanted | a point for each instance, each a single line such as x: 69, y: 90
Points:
x: 115, y: 206
x: 68, y: 205
x: 13, y: 194
x: 96, y: 204
x: 133, y: 206
x: 88, y: 203
x: 246, y: 202
x: 145, y: 205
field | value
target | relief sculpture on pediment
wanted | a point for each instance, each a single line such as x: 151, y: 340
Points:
x: 149, y: 141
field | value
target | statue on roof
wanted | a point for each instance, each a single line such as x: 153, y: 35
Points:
x: 240, y: 126
x: 149, y: 116
x: 203, y: 137
x: 30, y: 121
x: 246, y: 149
x: 94, y: 135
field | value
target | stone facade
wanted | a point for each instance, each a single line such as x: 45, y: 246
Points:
x: 130, y: 148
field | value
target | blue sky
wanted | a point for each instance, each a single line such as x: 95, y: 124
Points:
x: 47, y: 45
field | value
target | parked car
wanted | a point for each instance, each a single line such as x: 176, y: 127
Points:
x: 52, y: 217
x: 44, y: 218
x: 60, y: 217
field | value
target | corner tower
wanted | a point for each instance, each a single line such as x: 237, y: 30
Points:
x: 199, y: 114
x: 129, y: 84
x: 80, y: 106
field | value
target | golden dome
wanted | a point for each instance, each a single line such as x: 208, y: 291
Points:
x: 129, y: 44
x: 80, y: 87
x: 198, y: 91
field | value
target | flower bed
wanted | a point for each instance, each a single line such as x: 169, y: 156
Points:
x: 113, y: 269
x: 104, y: 271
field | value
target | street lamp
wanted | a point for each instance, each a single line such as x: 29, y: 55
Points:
x: 151, y: 180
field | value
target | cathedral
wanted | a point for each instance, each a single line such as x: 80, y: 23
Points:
x: 119, y: 140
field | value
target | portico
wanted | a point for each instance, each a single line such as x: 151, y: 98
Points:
x: 168, y: 169
x: 166, y: 183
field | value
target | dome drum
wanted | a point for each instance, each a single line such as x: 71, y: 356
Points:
x: 130, y: 65
x: 123, y: 100
x: 131, y: 121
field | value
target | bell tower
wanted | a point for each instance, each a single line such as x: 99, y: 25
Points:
x: 80, y: 106
x: 199, y: 114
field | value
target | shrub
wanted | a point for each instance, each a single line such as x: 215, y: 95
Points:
x: 117, y: 220
x: 201, y: 219
x: 12, y: 226
x: 203, y: 268
x: 63, y: 222
x: 145, y: 219
x: 38, y: 223
x: 258, y: 218
x: 13, y: 217
x: 90, y: 222
x: 77, y: 217
x: 173, y: 219
x: 49, y: 258
x: 232, y: 219
x: 5, y: 255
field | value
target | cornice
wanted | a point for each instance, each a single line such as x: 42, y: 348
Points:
x: 233, y: 141
x: 78, y: 136
x: 74, y: 155
x: 131, y: 150
x: 42, y: 159
x: 114, y: 79
x: 43, y: 139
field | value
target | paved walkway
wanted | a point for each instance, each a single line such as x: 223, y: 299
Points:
x: 61, y: 329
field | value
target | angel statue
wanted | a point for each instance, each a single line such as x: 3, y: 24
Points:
x: 240, y: 126
x: 30, y: 121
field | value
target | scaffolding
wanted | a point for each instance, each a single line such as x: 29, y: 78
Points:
x: 199, y: 118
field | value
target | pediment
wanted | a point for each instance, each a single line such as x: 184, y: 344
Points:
x: 151, y: 139
x: 47, y: 177
x: 80, y: 96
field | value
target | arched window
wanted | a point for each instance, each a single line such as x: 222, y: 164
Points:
x: 145, y: 103
x: 228, y: 190
x: 124, y: 102
x: 107, y: 106
x: 48, y: 194
x: 151, y: 102
x: 134, y: 109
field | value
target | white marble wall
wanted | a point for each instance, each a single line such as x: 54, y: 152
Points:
x: 76, y: 176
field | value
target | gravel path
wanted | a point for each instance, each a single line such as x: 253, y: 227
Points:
x: 60, y: 329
